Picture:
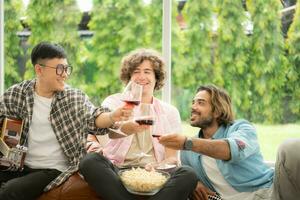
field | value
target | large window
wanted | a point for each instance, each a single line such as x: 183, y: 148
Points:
x: 246, y: 48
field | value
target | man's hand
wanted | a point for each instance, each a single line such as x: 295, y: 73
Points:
x: 201, y: 192
x: 131, y: 127
x: 125, y: 128
x: 122, y: 113
x: 172, y: 141
x: 108, y: 119
x: 94, y: 146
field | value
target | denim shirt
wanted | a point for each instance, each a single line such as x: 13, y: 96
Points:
x: 246, y: 170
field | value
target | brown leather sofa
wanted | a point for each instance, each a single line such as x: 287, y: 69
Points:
x: 75, y: 188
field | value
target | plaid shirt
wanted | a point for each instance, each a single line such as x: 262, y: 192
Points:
x: 72, y: 117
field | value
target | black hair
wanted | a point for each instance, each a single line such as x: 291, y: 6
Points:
x: 46, y: 50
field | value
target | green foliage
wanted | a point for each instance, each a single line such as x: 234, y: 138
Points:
x: 12, y: 50
x: 252, y: 67
x: 268, y: 64
x: 192, y: 54
x: 293, y: 73
x: 261, y: 75
x: 115, y: 34
x: 55, y: 21
x: 232, y: 47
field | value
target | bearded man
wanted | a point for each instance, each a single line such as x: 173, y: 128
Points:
x: 226, y: 154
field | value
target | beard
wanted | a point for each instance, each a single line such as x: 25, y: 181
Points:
x: 203, y: 122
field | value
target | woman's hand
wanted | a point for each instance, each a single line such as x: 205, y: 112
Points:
x: 201, y: 192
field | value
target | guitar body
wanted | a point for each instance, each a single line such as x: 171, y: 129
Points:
x: 12, y: 154
x: 11, y: 131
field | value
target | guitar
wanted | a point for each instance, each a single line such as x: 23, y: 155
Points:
x: 12, y: 154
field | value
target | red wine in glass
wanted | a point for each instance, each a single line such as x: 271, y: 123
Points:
x: 145, y: 121
x: 144, y: 115
x: 132, y: 102
x: 155, y: 135
x: 132, y: 94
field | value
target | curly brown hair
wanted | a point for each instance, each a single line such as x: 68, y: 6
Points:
x: 220, y: 102
x: 131, y: 61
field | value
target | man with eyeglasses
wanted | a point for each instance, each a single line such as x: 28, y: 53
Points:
x: 60, y: 69
x: 56, y: 120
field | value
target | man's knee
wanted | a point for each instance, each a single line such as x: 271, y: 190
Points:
x: 189, y: 174
x: 188, y: 171
x: 10, y: 191
x: 91, y: 160
x: 289, y: 149
x: 288, y: 160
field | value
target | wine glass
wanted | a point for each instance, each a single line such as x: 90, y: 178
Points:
x: 132, y: 94
x: 164, y: 129
x: 144, y: 116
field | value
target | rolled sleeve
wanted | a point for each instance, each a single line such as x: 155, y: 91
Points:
x: 242, y: 142
x: 92, y: 125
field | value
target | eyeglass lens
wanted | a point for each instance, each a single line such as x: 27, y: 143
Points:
x: 60, y: 68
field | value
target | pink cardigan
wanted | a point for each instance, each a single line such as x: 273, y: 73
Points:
x: 167, y: 120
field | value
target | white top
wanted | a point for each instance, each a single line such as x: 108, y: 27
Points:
x: 44, y: 151
x: 226, y: 191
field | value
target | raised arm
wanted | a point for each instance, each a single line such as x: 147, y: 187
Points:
x: 218, y: 149
x: 108, y: 119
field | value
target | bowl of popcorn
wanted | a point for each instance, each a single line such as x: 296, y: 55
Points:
x: 142, y: 182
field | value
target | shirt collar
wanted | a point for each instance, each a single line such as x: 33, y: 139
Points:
x: 218, y: 134
x: 30, y: 89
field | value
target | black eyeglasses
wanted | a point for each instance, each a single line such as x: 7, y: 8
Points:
x: 60, y: 69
